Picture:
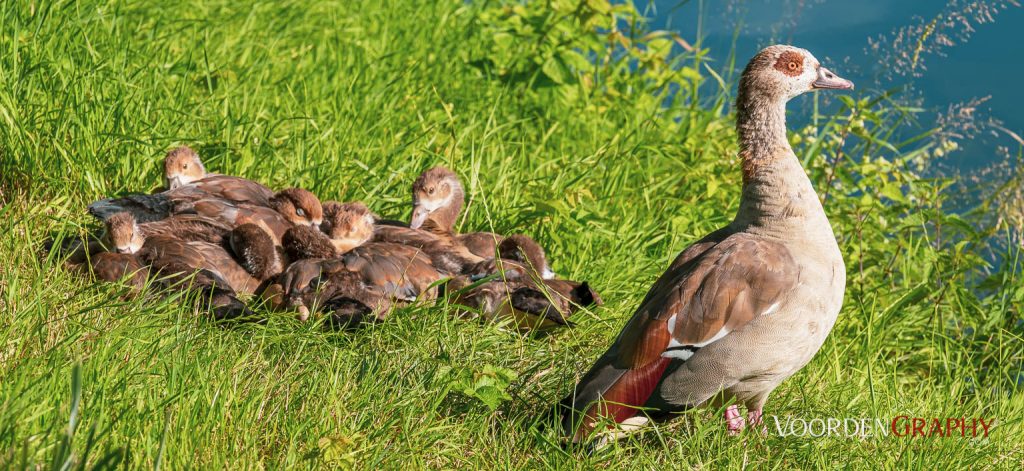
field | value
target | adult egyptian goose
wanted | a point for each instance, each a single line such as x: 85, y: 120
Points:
x: 437, y: 198
x: 167, y: 254
x: 745, y: 307
x: 183, y: 167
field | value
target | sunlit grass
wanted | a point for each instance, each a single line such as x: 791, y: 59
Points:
x: 351, y: 100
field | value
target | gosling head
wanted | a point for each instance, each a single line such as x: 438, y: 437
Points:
x: 330, y: 208
x: 350, y: 226
x: 526, y: 251
x: 781, y: 72
x: 123, y: 233
x: 437, y: 198
x: 254, y: 248
x: 298, y: 206
x: 304, y: 242
x: 181, y: 167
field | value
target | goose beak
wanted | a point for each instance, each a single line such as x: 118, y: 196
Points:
x: 828, y: 80
x: 419, y: 216
x: 303, y: 314
x: 174, y: 182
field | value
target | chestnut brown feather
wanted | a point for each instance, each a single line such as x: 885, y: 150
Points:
x: 255, y: 250
x: 722, y: 282
x: 528, y: 303
x: 116, y: 267
x: 376, y: 275
x: 302, y: 242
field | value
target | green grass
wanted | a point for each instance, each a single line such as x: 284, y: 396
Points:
x: 352, y: 99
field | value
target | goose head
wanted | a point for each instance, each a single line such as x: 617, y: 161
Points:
x: 181, y: 167
x: 117, y: 267
x: 330, y: 208
x: 123, y: 233
x: 350, y: 226
x: 302, y: 281
x: 782, y: 72
x: 254, y: 248
x: 437, y: 198
x: 305, y: 242
x: 583, y: 295
x: 526, y: 251
x: 298, y: 206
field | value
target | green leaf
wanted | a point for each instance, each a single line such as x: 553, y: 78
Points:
x: 556, y: 70
x: 712, y: 186
x: 660, y: 47
x: 894, y: 192
x: 576, y: 60
x: 601, y: 6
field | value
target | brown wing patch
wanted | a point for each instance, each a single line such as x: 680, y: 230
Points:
x: 726, y: 286
x: 745, y: 282
x: 790, y: 63
x: 481, y: 244
x: 235, y: 189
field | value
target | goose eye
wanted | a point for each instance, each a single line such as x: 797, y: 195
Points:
x: 300, y: 212
x: 792, y: 66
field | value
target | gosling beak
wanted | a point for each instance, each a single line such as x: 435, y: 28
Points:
x: 828, y: 80
x: 174, y: 182
x: 316, y: 223
x: 303, y: 314
x: 419, y: 216
x: 345, y: 245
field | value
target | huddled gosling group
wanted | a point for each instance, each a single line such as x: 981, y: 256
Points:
x: 235, y: 242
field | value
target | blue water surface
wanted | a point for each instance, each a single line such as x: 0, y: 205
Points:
x: 988, y: 63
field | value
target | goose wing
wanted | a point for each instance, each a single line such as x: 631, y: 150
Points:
x: 712, y: 289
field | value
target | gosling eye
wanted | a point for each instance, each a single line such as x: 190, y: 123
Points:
x: 300, y: 212
x: 185, y: 166
x: 430, y: 190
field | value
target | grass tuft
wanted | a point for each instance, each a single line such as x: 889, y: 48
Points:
x: 614, y: 163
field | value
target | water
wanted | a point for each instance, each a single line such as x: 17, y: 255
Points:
x: 988, y: 63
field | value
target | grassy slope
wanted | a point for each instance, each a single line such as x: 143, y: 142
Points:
x: 351, y: 100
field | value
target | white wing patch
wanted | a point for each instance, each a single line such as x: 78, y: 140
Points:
x: 719, y: 335
x: 548, y: 274
x: 681, y: 354
x: 684, y: 351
